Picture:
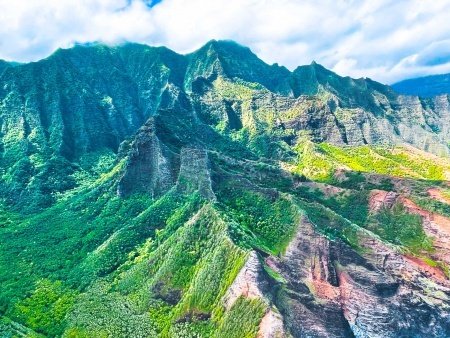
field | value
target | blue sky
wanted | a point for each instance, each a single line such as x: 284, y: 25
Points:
x: 386, y: 40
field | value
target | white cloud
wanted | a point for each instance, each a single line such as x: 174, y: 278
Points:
x: 386, y: 40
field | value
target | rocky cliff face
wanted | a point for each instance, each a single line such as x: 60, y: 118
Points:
x: 252, y: 283
x: 342, y: 293
x: 329, y: 290
x: 195, y: 173
x: 151, y: 167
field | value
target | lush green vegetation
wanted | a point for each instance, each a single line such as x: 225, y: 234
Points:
x: 9, y: 328
x: 320, y: 161
x: 356, y: 180
x: 401, y: 228
x: 30, y: 251
x: 269, y: 222
x: 432, y: 205
x: 352, y: 205
x: 178, y: 277
x: 329, y: 223
x: 96, y: 232
x: 45, y: 309
x: 44, y: 182
x: 242, y: 320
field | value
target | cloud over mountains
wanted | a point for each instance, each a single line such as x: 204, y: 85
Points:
x: 387, y: 40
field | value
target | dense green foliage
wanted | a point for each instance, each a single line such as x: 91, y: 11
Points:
x: 270, y: 223
x: 242, y: 320
x: 45, y: 310
x: 351, y: 205
x: 433, y: 205
x: 9, y: 328
x: 320, y: 161
x: 399, y: 227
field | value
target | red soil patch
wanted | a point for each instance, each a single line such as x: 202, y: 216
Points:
x: 430, y: 271
x: 434, y: 225
x: 436, y: 194
x: 325, y: 290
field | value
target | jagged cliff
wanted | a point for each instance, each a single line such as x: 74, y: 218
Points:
x: 147, y: 193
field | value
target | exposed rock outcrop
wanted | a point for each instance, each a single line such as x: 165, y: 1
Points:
x: 436, y: 226
x: 251, y: 282
x: 195, y: 173
x: 151, y: 167
x: 436, y: 194
x: 333, y: 291
x: 382, y: 199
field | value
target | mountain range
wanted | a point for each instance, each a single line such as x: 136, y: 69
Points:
x: 427, y: 86
x: 144, y: 193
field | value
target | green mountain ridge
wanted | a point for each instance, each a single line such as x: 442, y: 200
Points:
x: 90, y: 98
x: 150, y: 194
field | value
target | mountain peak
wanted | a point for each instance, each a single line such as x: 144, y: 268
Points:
x: 226, y: 43
x: 234, y: 60
x: 226, y: 48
